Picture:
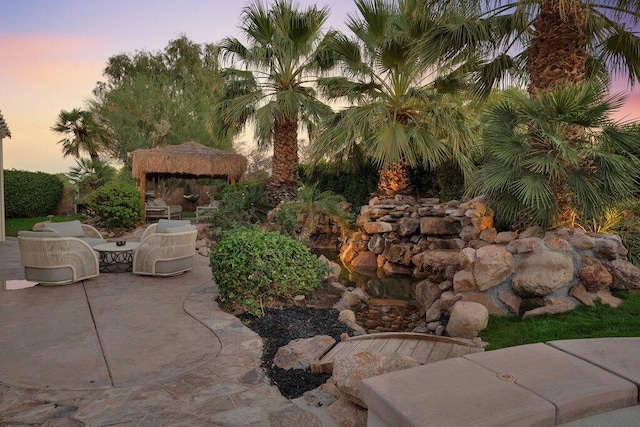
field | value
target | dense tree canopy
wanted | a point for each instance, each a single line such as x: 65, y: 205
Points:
x: 151, y: 99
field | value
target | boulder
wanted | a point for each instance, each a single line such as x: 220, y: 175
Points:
x: 469, y: 232
x: 488, y: 235
x: 298, y: 354
x: 464, y: 281
x: 510, y: 300
x: 447, y: 300
x: 505, y: 237
x: 376, y: 244
x: 335, y: 267
x: 484, y: 299
x: 493, y: 265
x: 606, y: 248
x: 347, y: 301
x: 580, y: 293
x: 467, y: 258
x: 408, y: 226
x: 400, y: 253
x: 593, y: 275
x: 348, y: 252
x: 350, y: 370
x: 393, y: 269
x: 557, y: 244
x: 482, y: 223
x: 580, y: 240
x: 553, y: 305
x: 606, y: 298
x: 434, y: 312
x: 625, y: 275
x: 437, y: 265
x: 438, y: 226
x: 467, y: 319
x: 521, y: 246
x: 365, y: 261
x: 542, y: 273
x: 426, y: 293
x: 348, y: 317
x: 377, y: 227
x: 533, y: 231
x: 361, y: 295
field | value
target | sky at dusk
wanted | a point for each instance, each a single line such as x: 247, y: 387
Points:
x: 52, y: 53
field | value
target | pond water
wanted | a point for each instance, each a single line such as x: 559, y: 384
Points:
x: 376, y: 283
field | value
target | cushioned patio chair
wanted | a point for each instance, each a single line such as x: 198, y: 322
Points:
x: 51, y: 259
x: 84, y: 232
x: 166, y: 248
x: 205, y: 211
x: 158, y: 208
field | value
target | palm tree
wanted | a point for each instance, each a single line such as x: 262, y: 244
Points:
x: 557, y: 159
x: 80, y: 133
x: 285, y: 50
x: 406, y: 111
x: 548, y: 43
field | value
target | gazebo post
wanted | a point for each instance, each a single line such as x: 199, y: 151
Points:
x: 143, y: 193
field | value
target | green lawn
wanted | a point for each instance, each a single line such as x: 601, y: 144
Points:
x: 13, y: 225
x: 583, y: 322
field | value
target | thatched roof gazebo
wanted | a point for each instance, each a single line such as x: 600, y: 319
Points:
x: 188, y: 160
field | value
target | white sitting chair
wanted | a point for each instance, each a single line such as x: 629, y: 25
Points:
x: 205, y: 211
x: 166, y: 248
x: 51, y: 259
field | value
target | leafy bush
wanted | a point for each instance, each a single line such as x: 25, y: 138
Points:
x: 118, y: 204
x: 446, y: 182
x: 240, y: 205
x: 253, y: 267
x: 29, y: 194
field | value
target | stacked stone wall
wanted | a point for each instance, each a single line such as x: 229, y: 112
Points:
x: 456, y: 250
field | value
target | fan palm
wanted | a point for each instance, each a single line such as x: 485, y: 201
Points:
x: 80, y: 133
x: 284, y: 52
x: 558, y: 158
x: 404, y: 113
x: 552, y: 42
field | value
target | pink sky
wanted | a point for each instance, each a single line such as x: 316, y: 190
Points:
x: 53, y: 52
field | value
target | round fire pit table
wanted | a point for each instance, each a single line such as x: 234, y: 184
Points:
x: 114, y: 258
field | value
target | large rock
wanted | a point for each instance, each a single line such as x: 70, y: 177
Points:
x: 349, y: 371
x: 365, y: 261
x: 393, y: 269
x: 408, y: 226
x: 580, y: 240
x: 510, y: 300
x: 593, y: 275
x: 580, y: 293
x: 625, y: 275
x: 377, y: 227
x: 505, y: 237
x: 606, y: 298
x: 438, y: 226
x: 377, y: 244
x: 493, y: 265
x: 606, y: 248
x: 348, y: 317
x: 426, y: 293
x: 464, y: 281
x: 484, y: 299
x: 467, y: 319
x: 521, y: 246
x: 298, y: 354
x: 467, y: 257
x: 553, y: 305
x: 399, y: 253
x: 437, y: 265
x: 542, y: 273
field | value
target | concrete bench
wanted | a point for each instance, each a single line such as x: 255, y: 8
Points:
x: 538, y: 384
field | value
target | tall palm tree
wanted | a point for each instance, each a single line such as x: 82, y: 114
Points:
x: 285, y: 51
x: 79, y: 131
x: 405, y: 111
x: 548, y: 43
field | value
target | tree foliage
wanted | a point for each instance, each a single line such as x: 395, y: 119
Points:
x: 152, y: 99
x: 557, y: 157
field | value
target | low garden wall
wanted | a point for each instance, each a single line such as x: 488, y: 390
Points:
x: 455, y: 248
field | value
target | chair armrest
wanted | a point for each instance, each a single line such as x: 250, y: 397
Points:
x: 90, y: 231
x: 51, y: 230
x: 149, y: 231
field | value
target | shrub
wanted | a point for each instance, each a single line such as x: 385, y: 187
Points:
x: 240, y: 205
x: 31, y: 194
x: 253, y: 267
x: 118, y: 204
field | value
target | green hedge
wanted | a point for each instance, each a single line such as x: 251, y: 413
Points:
x: 31, y: 194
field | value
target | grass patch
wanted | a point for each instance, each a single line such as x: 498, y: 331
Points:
x: 13, y: 225
x: 583, y: 322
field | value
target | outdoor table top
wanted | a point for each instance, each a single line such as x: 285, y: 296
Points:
x: 112, y: 247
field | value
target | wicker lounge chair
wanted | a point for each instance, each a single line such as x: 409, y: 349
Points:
x: 205, y: 211
x: 84, y: 232
x: 158, y: 208
x: 51, y: 259
x: 166, y: 248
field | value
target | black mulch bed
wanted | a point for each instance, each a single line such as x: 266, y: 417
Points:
x: 279, y: 326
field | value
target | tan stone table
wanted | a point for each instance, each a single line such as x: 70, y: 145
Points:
x: 114, y: 258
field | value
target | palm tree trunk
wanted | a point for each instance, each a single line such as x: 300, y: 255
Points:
x: 284, y: 170
x: 558, y: 50
x: 394, y: 179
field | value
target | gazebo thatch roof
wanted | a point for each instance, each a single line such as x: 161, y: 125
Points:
x: 189, y: 160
